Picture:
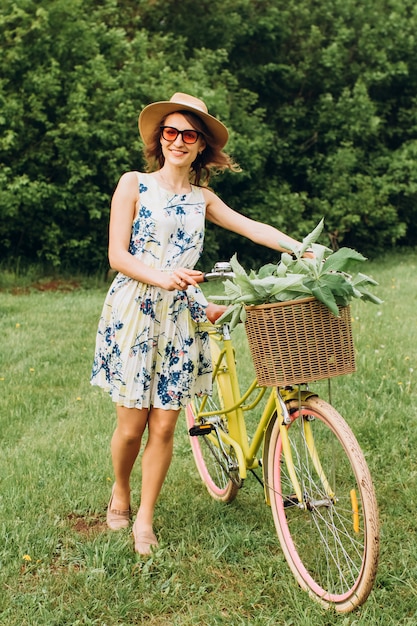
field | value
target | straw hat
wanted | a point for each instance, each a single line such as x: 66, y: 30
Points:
x: 154, y: 113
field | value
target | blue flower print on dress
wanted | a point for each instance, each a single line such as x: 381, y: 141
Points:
x: 147, y: 307
x: 163, y: 389
x: 152, y: 346
x: 143, y: 232
x: 142, y: 345
x: 144, y: 377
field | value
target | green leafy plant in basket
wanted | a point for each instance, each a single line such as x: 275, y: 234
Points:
x: 330, y: 277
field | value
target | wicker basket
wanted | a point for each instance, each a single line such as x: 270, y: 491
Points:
x: 299, y: 341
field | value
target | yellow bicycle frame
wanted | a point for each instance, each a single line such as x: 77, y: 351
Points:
x: 233, y: 405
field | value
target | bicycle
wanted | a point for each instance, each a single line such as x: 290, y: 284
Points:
x: 315, y: 475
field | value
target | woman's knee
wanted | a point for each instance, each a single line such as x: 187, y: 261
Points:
x: 162, y: 424
x: 131, y: 424
x: 128, y: 436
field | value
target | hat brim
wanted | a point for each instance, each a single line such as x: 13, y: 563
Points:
x: 154, y: 113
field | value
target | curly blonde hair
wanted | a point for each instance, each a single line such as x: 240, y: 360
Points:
x: 210, y: 161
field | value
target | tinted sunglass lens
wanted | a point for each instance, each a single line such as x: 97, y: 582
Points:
x: 189, y: 136
x: 170, y: 134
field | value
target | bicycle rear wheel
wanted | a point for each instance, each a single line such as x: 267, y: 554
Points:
x: 216, y: 462
x: 331, y: 538
x: 217, y: 466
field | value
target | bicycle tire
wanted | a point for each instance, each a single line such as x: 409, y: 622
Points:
x: 330, y: 544
x: 209, y: 460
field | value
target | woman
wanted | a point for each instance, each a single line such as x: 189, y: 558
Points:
x: 152, y: 356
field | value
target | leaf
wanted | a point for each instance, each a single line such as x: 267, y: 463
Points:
x: 307, y: 241
x: 219, y: 298
x: 271, y: 285
x: 284, y: 265
x: 295, y: 280
x: 308, y: 267
x: 249, y: 298
x: 241, y: 278
x: 343, y: 260
x: 287, y: 295
x: 228, y: 314
x: 363, y: 279
x: 286, y: 245
x: 338, y: 284
x: 267, y: 270
x: 233, y: 315
x: 237, y: 267
x: 264, y: 286
x: 324, y: 294
x: 236, y: 317
x: 370, y: 297
x: 312, y: 237
x: 231, y: 289
x: 320, y: 252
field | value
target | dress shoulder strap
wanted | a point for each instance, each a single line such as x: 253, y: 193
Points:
x: 138, y: 175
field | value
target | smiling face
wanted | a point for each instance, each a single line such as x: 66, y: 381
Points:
x: 177, y: 152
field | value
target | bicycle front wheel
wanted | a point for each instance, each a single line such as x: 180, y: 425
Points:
x: 331, y: 538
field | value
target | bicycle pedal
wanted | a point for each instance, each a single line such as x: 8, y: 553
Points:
x: 291, y: 500
x: 199, y: 430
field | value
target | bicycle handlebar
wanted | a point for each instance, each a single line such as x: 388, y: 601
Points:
x: 219, y: 271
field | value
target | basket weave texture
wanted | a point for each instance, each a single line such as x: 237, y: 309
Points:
x: 299, y: 341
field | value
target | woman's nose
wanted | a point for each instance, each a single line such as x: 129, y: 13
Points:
x: 178, y: 140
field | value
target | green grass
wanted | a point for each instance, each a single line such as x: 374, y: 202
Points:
x: 216, y: 564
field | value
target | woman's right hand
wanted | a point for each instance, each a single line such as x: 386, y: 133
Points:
x: 181, y: 278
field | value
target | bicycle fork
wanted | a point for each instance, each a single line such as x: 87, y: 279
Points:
x: 302, y: 500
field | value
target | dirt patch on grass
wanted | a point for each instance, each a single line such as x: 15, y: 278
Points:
x: 86, y: 525
x: 58, y: 284
x: 51, y: 284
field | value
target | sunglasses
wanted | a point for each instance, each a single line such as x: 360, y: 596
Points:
x: 169, y: 133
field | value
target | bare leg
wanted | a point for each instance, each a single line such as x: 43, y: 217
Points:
x: 125, y: 446
x: 155, y: 462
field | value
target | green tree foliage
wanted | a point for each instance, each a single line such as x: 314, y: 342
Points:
x: 72, y: 84
x: 320, y: 99
x: 336, y: 82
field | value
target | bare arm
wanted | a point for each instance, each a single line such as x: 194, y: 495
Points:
x: 123, y: 209
x: 219, y: 213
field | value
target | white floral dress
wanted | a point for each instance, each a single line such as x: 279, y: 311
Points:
x: 152, y: 345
